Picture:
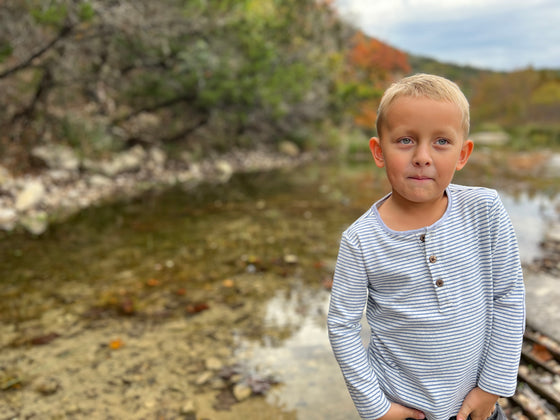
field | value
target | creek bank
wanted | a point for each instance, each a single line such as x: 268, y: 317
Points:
x: 67, y: 184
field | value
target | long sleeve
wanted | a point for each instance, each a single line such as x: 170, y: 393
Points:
x: 499, y: 373
x: 348, y: 299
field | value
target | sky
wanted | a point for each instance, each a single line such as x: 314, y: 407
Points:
x: 503, y: 35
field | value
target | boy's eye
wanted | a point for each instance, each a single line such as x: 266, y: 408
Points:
x: 442, y: 142
x: 405, y: 140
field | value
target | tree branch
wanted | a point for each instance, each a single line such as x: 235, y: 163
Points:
x: 63, y: 33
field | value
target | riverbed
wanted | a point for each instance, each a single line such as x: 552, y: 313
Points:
x: 206, y: 302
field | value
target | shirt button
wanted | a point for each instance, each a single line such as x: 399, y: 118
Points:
x: 439, y: 282
x: 433, y: 259
x: 422, y: 238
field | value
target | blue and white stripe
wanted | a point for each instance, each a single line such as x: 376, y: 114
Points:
x: 446, y: 313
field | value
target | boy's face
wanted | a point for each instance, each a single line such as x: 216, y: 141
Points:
x: 421, y: 145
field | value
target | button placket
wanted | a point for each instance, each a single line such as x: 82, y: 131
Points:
x: 437, y: 270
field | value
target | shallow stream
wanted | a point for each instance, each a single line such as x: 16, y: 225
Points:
x: 176, y: 253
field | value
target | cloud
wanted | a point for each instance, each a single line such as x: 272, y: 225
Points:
x: 498, y: 34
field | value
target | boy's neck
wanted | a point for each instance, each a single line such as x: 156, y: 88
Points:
x: 403, y: 215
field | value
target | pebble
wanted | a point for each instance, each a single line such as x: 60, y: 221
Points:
x: 46, y: 386
x: 213, y: 363
x: 290, y: 259
x: 204, y: 378
x: 242, y: 392
x: 188, y: 408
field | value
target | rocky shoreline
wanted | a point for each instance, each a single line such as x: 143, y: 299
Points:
x: 66, y: 184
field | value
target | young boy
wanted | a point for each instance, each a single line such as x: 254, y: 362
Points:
x: 436, y: 266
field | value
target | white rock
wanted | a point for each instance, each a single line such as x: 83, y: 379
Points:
x: 97, y: 180
x: 35, y: 222
x: 553, y: 233
x: 127, y: 161
x: 8, y: 219
x: 57, y: 157
x: 289, y: 148
x: 224, y: 169
x: 31, y: 195
x: 158, y: 156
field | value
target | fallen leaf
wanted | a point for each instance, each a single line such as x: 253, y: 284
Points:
x: 10, y: 383
x: 116, y: 344
x: 181, y: 292
x: 196, y: 308
x: 153, y: 282
x: 228, y: 283
x: 44, y: 339
x: 541, y: 353
x: 126, y: 306
x: 318, y: 264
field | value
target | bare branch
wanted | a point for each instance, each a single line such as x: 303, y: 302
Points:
x: 26, y: 63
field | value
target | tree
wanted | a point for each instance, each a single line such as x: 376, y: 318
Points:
x: 103, y: 75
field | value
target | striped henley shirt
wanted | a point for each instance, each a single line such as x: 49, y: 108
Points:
x: 445, y: 305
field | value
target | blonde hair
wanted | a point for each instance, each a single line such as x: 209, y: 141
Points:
x: 427, y: 86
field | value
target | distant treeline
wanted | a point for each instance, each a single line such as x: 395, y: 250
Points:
x: 206, y: 76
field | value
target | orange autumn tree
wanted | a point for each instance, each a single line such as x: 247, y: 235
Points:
x: 371, y: 66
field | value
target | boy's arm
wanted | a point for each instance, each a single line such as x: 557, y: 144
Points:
x: 348, y: 299
x: 499, y: 373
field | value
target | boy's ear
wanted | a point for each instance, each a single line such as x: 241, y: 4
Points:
x: 466, y: 151
x: 376, y: 152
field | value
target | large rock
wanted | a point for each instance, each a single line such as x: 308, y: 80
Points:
x: 289, y: 148
x: 56, y: 156
x: 35, y: 222
x: 224, y: 170
x: 30, y: 196
x: 127, y: 161
x: 542, y: 297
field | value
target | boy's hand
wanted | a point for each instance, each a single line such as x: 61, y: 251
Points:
x: 399, y: 412
x: 478, y: 404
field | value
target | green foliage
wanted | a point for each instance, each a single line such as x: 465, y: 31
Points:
x: 89, y: 141
x: 86, y: 12
x: 52, y: 13
x: 6, y: 50
x: 547, y: 94
x: 223, y: 73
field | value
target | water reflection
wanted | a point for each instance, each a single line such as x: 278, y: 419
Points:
x: 531, y: 216
x: 311, y: 383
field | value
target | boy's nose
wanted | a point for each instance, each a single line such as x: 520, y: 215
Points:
x: 422, y: 157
